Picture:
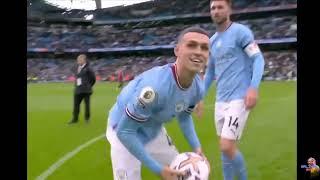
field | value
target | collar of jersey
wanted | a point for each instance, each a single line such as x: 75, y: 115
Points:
x: 175, y: 75
x: 226, y: 28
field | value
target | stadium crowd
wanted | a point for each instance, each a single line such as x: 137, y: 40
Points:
x: 160, y: 8
x: 155, y: 8
x: 85, y: 37
x: 280, y: 65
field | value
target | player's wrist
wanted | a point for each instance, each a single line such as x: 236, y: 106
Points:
x: 158, y: 170
x: 254, y: 87
x: 198, y: 150
x: 195, y: 144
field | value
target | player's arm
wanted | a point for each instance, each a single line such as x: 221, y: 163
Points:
x: 127, y: 134
x: 251, y: 48
x: 188, y: 130
x: 200, y: 105
x: 209, y: 74
x: 208, y: 79
x: 137, y: 112
x: 258, y: 67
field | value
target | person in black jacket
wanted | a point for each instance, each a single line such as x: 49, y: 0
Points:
x: 85, y: 79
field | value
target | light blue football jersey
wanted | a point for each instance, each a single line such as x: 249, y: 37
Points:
x: 231, y: 66
x: 147, y: 102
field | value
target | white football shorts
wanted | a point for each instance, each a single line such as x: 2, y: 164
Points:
x: 230, y: 119
x: 126, y: 167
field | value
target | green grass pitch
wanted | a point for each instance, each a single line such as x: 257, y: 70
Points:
x: 268, y: 142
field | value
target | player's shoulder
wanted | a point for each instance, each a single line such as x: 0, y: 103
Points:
x: 157, y: 77
x: 212, y: 38
x: 157, y: 72
x: 240, y: 28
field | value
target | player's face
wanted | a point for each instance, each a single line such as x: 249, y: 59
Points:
x: 220, y: 11
x: 193, y: 51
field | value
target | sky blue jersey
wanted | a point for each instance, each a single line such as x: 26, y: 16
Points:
x: 151, y: 99
x: 236, y: 63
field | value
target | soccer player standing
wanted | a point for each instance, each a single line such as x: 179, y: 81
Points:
x: 135, y: 124
x: 237, y: 65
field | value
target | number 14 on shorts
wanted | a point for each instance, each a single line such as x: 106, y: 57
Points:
x: 233, y: 124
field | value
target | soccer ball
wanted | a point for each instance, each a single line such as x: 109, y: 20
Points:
x: 196, y: 167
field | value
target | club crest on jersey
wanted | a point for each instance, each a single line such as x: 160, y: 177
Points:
x: 219, y: 43
x: 180, y: 107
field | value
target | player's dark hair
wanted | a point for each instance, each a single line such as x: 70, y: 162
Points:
x: 193, y: 29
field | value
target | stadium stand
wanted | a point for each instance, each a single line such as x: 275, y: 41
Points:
x: 85, y: 37
x: 280, y: 65
x: 56, y: 35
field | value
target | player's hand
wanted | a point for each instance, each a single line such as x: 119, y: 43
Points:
x: 199, y: 151
x: 199, y: 109
x: 251, y: 98
x: 170, y: 174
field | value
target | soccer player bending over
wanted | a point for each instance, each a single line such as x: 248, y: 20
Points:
x: 135, y: 124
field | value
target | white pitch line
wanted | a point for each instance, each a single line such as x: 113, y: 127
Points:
x: 66, y: 157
